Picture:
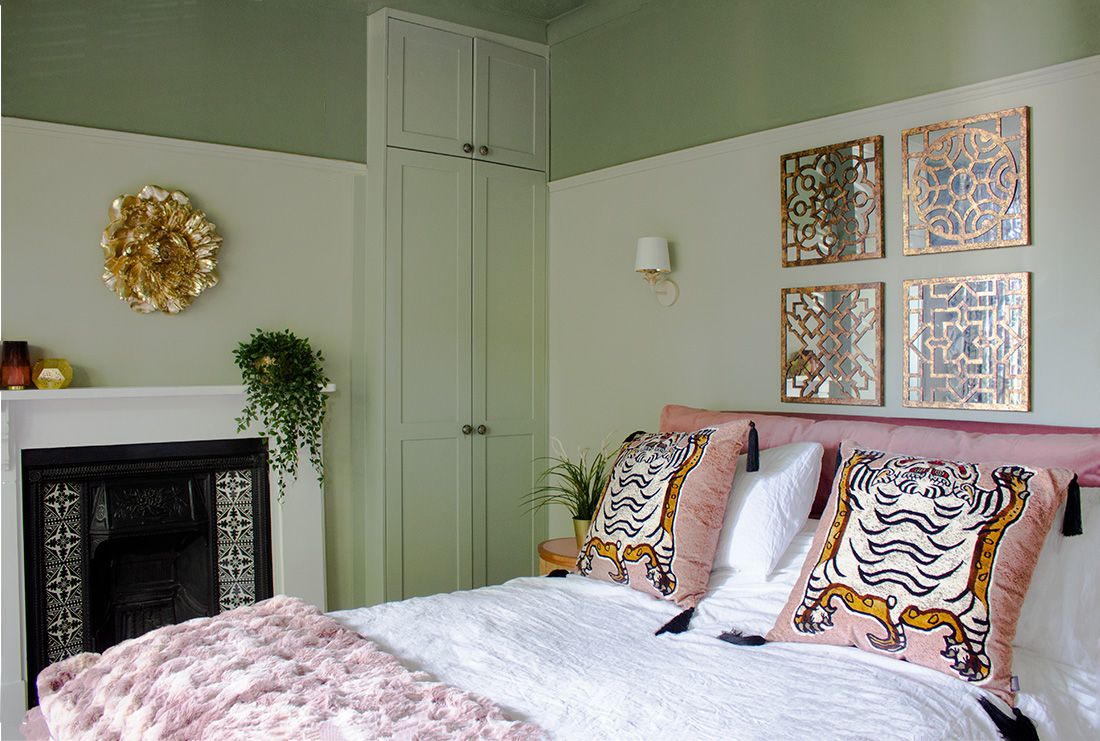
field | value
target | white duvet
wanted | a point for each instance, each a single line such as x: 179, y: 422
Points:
x: 579, y: 657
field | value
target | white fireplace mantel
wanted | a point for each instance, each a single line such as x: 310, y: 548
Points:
x: 124, y: 415
x: 127, y: 392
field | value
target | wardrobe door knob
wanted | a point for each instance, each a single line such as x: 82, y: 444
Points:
x: 467, y: 429
x: 482, y: 429
x: 467, y: 148
x: 483, y: 150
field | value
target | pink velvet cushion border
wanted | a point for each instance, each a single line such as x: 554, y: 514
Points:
x: 966, y: 624
x: 657, y: 525
x: 1074, y: 448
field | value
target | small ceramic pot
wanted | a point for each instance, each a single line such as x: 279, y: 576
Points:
x: 580, y: 529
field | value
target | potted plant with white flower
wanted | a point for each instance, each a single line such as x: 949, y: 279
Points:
x: 576, y: 484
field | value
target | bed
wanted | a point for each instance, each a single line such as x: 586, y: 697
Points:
x: 578, y: 658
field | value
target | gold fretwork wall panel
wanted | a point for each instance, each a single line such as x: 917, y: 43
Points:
x: 967, y: 342
x: 831, y: 344
x: 830, y: 203
x: 966, y: 184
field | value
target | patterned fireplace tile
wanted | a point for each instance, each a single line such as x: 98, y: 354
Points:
x: 64, y: 564
x: 236, y: 560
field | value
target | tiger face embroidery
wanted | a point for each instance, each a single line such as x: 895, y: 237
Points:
x: 912, y: 546
x: 636, y: 516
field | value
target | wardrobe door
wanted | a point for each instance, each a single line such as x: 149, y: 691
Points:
x: 428, y: 455
x: 509, y: 367
x: 429, y: 91
x: 509, y: 106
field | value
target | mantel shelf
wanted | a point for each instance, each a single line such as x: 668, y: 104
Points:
x: 126, y: 392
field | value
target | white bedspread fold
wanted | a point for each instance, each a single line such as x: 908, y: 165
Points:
x: 579, y: 658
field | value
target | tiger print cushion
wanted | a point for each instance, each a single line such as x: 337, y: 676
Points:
x: 925, y: 560
x: 657, y: 524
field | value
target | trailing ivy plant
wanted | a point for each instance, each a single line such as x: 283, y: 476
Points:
x: 284, y: 385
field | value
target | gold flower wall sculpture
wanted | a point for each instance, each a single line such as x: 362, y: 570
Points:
x: 159, y: 252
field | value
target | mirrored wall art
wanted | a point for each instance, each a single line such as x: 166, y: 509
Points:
x: 830, y: 203
x: 966, y: 183
x: 831, y: 344
x: 967, y: 342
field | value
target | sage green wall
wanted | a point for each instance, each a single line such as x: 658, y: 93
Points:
x: 671, y: 74
x: 284, y: 75
x: 292, y: 229
x: 616, y: 356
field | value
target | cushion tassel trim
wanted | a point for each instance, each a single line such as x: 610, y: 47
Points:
x: 1071, y: 520
x: 752, y: 462
x: 738, y: 638
x: 1016, y: 727
x: 677, y: 624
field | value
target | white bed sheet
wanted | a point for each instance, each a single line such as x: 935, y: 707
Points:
x: 578, y: 657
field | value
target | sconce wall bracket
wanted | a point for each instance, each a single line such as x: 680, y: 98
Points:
x: 667, y: 291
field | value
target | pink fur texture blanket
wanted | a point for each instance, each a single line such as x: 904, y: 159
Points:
x: 277, y: 669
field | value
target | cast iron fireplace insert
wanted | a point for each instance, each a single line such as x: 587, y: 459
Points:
x: 122, y: 539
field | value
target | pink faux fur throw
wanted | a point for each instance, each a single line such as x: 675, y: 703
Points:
x: 277, y: 669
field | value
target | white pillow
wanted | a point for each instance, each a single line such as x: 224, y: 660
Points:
x: 1059, y: 615
x: 752, y: 605
x: 767, y: 507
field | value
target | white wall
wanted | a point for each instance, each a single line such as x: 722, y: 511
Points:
x: 293, y: 236
x: 616, y: 356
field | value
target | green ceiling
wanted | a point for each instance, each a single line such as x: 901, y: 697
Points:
x: 285, y: 75
x: 536, y: 20
x: 631, y: 78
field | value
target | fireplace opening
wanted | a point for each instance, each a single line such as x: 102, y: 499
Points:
x: 123, y: 539
x: 151, y: 557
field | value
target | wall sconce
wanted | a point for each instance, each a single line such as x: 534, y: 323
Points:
x: 651, y: 260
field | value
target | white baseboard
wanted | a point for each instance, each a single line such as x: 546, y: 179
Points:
x: 13, y: 705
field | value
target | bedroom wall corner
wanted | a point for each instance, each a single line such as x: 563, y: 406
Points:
x: 294, y: 230
x: 616, y: 355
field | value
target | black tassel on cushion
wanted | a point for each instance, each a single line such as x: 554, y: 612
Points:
x: 1012, y: 728
x: 677, y: 624
x: 738, y: 638
x: 753, y: 453
x: 1071, y: 520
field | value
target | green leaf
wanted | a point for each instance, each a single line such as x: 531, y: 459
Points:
x: 284, y: 383
x: 577, y: 486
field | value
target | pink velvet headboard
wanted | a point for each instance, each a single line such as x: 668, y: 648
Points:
x: 1075, y: 448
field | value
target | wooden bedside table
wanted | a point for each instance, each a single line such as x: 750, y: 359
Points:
x: 557, y: 553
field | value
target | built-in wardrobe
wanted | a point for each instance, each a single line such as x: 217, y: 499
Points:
x: 457, y: 152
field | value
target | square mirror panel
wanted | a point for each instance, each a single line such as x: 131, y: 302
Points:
x: 967, y: 342
x: 830, y: 203
x: 966, y: 184
x: 831, y: 344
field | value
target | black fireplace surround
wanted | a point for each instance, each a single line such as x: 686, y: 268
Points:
x: 122, y: 539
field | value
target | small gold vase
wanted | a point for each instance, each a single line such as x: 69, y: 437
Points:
x: 580, y: 529
x: 52, y: 373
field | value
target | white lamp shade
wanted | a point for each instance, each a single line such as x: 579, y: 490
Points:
x: 652, y: 254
